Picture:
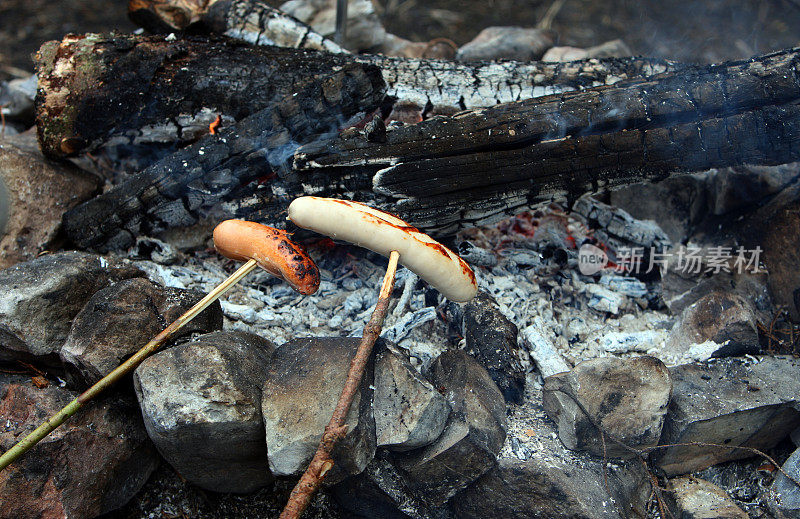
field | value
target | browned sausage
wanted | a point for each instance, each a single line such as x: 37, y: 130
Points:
x: 271, y: 248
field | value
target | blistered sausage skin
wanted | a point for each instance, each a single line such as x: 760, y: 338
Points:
x: 271, y: 248
x: 382, y: 232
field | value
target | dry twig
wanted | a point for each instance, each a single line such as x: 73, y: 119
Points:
x: 336, y: 429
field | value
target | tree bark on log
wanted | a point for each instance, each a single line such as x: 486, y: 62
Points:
x: 448, y: 173
x: 138, y: 89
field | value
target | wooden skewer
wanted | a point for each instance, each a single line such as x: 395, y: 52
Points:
x: 123, y: 369
x: 336, y: 429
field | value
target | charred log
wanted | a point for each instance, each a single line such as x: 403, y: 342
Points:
x: 135, y: 89
x: 178, y: 189
x: 153, y: 89
x: 250, y: 21
x: 447, y: 173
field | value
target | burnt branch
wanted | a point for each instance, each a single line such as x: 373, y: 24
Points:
x: 97, y: 89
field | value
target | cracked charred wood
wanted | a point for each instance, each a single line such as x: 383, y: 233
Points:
x: 447, y: 173
x: 433, y: 84
x: 184, y: 186
x: 251, y: 21
x: 138, y: 89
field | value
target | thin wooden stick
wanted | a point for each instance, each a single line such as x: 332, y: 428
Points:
x: 336, y: 429
x: 123, y: 369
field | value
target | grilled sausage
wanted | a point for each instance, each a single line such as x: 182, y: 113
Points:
x: 382, y: 232
x: 271, y: 248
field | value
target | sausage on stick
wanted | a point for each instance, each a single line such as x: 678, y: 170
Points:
x: 261, y: 246
x: 385, y: 234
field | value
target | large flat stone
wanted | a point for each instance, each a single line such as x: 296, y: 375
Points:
x: 728, y: 402
x: 627, y: 398
x: 302, y: 386
x: 201, y: 403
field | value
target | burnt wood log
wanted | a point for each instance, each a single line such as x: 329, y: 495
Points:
x: 447, y: 173
x: 188, y: 184
x: 452, y: 172
x: 137, y: 89
x: 251, y: 21
x: 154, y: 89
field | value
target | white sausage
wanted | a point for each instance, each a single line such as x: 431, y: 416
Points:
x: 382, y: 232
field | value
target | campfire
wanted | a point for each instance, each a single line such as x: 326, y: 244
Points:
x: 500, y: 278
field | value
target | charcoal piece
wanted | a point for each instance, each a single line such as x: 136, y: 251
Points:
x: 492, y: 340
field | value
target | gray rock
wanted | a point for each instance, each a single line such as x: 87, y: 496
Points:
x: 517, y: 43
x: 740, y: 187
x: 34, y: 194
x: 118, y: 320
x: 609, y: 49
x: 16, y: 97
x: 303, y: 384
x: 682, y: 286
x: 409, y: 412
x: 564, y: 53
x: 92, y: 464
x: 41, y: 298
x: 473, y: 435
x: 780, y: 243
x: 722, y: 317
x: 492, y: 340
x: 676, y: 204
x: 201, y: 406
x: 364, y: 27
x: 627, y: 397
x: 729, y: 402
x: 784, y: 494
x: 694, y: 498
x: 552, y: 481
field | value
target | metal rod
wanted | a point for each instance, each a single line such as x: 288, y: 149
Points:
x: 341, y: 22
